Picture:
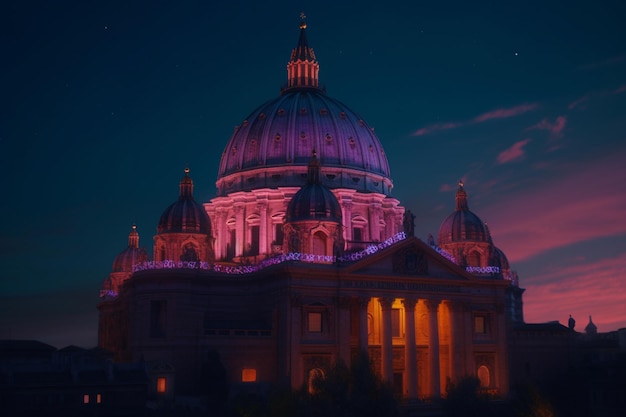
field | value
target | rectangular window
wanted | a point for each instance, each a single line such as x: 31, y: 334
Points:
x: 395, y: 322
x: 254, y: 240
x: 86, y: 399
x: 279, y: 234
x: 161, y: 384
x: 357, y: 234
x: 480, y: 324
x: 248, y: 375
x: 315, y: 322
x: 98, y: 398
x: 158, y: 316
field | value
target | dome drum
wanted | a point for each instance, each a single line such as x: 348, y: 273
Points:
x: 295, y: 176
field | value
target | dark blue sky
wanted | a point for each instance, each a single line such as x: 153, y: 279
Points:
x: 103, y: 104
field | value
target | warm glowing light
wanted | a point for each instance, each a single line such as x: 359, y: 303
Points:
x: 86, y: 399
x: 161, y: 384
x: 248, y: 375
x: 98, y: 398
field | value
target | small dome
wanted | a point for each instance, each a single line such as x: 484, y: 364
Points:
x: 130, y: 256
x: 314, y: 201
x: 500, y: 260
x: 185, y: 215
x: 463, y: 225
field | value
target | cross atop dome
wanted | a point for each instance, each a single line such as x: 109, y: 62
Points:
x: 461, y: 198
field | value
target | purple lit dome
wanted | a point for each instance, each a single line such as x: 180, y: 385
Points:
x: 130, y: 256
x: 272, y: 146
x: 185, y: 215
x: 314, y: 201
x: 463, y: 225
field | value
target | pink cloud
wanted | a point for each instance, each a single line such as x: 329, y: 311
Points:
x: 505, y: 113
x: 607, y: 62
x: 620, y: 89
x: 578, y: 102
x: 435, y: 127
x: 583, y: 206
x: 593, y: 288
x: 513, y: 153
x: 555, y: 129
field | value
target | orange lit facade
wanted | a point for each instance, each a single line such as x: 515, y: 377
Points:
x: 304, y: 258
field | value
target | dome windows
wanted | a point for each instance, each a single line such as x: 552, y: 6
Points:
x: 303, y: 111
x: 329, y: 138
x: 323, y: 112
x: 342, y: 115
x: 281, y: 112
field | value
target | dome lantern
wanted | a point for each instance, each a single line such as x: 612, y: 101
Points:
x: 303, y: 68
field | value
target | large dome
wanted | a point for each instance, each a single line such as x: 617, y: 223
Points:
x: 272, y: 146
x: 463, y: 225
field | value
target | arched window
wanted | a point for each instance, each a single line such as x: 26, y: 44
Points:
x: 319, y: 243
x: 483, y: 376
x: 189, y: 253
x: 315, y: 376
x: 473, y: 259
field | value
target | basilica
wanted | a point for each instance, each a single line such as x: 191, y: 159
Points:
x: 304, y: 258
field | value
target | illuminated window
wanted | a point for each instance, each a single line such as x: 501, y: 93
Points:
x: 395, y: 322
x: 86, y: 399
x: 161, y: 384
x: 315, y: 322
x: 483, y: 376
x: 248, y: 375
x: 315, y: 375
x: 98, y: 398
x: 480, y: 324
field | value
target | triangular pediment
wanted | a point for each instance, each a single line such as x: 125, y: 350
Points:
x: 409, y: 258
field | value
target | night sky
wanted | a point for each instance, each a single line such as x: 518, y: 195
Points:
x: 103, y: 104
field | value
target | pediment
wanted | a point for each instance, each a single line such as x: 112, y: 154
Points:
x: 409, y: 258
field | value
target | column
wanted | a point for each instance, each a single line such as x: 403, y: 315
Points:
x: 239, y: 225
x: 433, y: 347
x: 297, y: 377
x: 346, y: 206
x: 343, y: 328
x: 502, y: 368
x: 410, y: 357
x: 362, y: 302
x: 220, y: 234
x: 263, y: 237
x: 374, y: 211
x: 456, y: 336
x: 386, y: 343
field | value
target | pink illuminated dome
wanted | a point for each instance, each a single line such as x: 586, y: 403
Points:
x: 130, y: 256
x: 463, y: 225
x: 272, y: 145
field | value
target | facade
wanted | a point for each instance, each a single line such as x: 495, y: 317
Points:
x: 304, y: 258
